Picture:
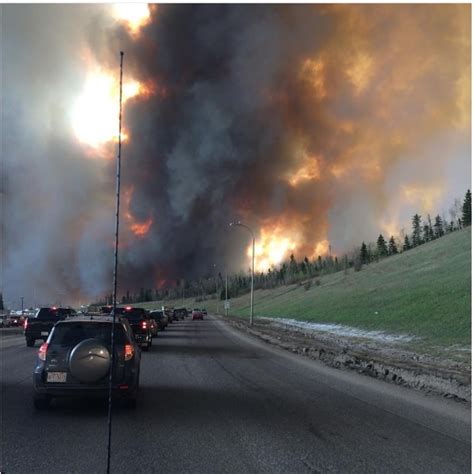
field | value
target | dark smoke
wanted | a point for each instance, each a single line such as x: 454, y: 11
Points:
x: 235, y: 114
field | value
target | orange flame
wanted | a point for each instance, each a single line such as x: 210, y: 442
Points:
x: 140, y: 229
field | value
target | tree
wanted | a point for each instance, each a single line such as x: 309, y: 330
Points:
x: 364, y: 254
x: 1, y: 302
x: 406, y: 243
x: 392, y: 246
x: 416, y: 226
x: 466, y: 209
x: 293, y: 265
x: 438, y: 227
x: 382, y: 246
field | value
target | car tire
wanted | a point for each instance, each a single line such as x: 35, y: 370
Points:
x: 41, y: 402
x: 145, y: 348
x: 30, y: 342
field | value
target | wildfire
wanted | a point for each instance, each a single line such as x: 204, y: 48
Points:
x: 133, y: 15
x: 427, y: 196
x: 272, y: 248
x: 307, y: 172
x: 140, y: 229
x: 321, y: 249
x: 95, y: 115
x: 312, y: 71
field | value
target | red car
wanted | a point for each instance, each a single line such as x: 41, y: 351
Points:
x: 197, y: 314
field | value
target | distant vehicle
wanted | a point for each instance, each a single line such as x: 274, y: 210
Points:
x: 140, y: 323
x: 16, y: 320
x: 160, y: 318
x: 168, y: 312
x: 153, y: 326
x: 197, y: 314
x: 76, y: 360
x: 5, y: 321
x: 39, y: 326
x: 204, y: 311
x: 180, y: 313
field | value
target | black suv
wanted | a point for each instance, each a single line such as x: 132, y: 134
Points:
x: 76, y: 361
x: 139, y: 321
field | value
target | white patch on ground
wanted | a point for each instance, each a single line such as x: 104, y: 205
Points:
x: 340, y: 330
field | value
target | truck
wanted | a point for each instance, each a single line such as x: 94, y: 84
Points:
x: 39, y: 326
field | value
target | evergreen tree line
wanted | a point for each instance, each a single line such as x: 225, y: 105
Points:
x: 292, y: 271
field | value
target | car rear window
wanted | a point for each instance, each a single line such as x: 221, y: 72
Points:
x: 133, y: 315
x: 156, y: 314
x: 70, y: 334
x: 54, y: 313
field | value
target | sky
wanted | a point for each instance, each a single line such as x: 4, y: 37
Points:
x: 316, y: 125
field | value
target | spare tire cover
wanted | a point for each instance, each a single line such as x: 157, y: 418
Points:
x: 89, y: 361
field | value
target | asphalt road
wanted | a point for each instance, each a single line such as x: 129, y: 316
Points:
x: 213, y: 400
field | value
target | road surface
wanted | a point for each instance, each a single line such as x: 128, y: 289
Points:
x: 216, y: 401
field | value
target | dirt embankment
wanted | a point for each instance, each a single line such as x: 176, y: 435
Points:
x: 386, y: 362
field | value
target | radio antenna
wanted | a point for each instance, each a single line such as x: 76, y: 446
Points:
x: 114, y: 293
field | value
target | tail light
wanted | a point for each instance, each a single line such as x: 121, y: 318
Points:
x: 42, y: 351
x: 25, y: 324
x: 128, y: 351
x: 144, y: 325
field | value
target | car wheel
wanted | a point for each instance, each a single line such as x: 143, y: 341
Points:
x: 41, y: 402
x: 145, y: 348
x: 30, y: 342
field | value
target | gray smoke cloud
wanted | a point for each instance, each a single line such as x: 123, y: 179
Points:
x: 316, y: 123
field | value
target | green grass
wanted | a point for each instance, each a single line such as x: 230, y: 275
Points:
x: 425, y: 292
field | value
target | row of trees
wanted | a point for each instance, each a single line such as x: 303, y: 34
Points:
x: 293, y: 271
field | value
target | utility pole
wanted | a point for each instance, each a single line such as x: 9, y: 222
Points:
x: 22, y: 298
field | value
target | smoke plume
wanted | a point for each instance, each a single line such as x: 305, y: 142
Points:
x: 315, y: 125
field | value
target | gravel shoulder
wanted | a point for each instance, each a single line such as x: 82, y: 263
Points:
x: 438, y: 376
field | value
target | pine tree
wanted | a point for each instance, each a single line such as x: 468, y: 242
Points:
x: 406, y: 243
x: 430, y: 229
x: 364, y: 254
x: 426, y: 233
x: 466, y: 209
x: 392, y: 246
x: 293, y: 265
x: 438, y: 227
x: 1, y: 302
x: 382, y: 246
x: 416, y: 226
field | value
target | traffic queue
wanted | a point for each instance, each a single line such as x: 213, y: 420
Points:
x: 76, y: 357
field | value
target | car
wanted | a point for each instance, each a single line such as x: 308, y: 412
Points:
x: 16, y: 320
x: 197, y: 314
x: 140, y: 323
x: 153, y: 327
x: 180, y: 313
x: 204, y: 311
x: 39, y: 326
x: 5, y: 321
x: 75, y: 361
x: 160, y: 319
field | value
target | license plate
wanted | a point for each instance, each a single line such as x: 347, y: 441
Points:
x: 44, y: 333
x: 56, y: 377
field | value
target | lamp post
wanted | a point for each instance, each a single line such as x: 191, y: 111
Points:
x: 238, y: 223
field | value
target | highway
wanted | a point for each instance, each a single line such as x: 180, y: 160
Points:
x: 216, y: 401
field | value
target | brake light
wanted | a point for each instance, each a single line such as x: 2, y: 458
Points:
x: 42, y: 351
x: 128, y: 351
x: 128, y: 308
x: 54, y: 308
x: 25, y: 324
x: 144, y: 325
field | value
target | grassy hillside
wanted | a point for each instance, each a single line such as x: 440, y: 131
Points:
x: 425, y: 292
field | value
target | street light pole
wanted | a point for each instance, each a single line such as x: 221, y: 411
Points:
x: 226, y: 302
x: 253, y: 265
